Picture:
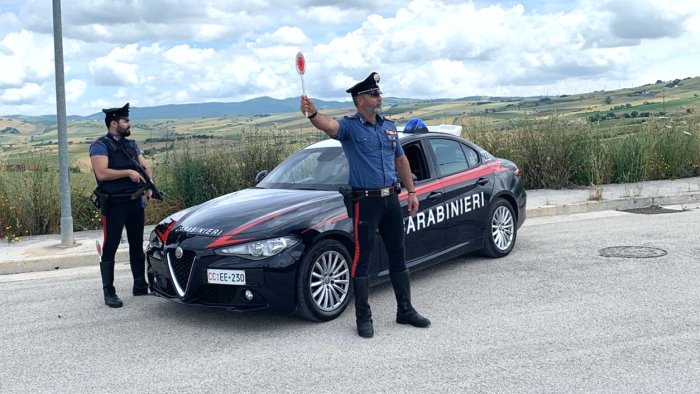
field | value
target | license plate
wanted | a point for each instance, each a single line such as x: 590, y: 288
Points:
x: 226, y: 277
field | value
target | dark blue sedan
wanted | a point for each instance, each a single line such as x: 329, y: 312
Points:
x: 286, y: 244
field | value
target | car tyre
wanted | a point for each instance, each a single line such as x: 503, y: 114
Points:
x: 500, y: 231
x: 324, y: 284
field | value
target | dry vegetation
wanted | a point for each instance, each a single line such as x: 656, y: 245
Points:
x: 558, y: 142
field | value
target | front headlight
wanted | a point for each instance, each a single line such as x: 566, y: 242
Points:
x: 258, y: 250
x: 154, y: 241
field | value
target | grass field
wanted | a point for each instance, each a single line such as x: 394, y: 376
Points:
x: 676, y: 98
x: 552, y: 139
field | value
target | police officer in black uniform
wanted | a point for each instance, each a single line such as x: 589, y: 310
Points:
x: 374, y: 154
x: 122, y: 200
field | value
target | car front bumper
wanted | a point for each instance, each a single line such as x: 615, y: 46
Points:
x: 270, y: 283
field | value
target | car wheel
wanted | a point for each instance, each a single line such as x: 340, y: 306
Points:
x: 323, y: 283
x: 500, y: 231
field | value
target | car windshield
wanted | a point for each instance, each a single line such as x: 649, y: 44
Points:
x: 310, y: 169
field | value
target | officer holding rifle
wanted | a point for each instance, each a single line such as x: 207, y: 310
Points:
x: 123, y: 186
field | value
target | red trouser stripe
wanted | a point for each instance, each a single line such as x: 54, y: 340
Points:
x: 104, y: 230
x: 355, y: 225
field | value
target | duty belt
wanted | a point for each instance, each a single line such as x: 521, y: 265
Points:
x: 125, y: 197
x: 387, y: 191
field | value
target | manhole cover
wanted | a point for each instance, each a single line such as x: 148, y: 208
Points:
x: 651, y: 210
x: 640, y: 252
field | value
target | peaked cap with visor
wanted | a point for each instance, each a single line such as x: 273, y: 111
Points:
x: 369, y: 86
x: 116, y: 113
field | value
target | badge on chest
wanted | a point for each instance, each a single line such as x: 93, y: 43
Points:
x: 392, y: 136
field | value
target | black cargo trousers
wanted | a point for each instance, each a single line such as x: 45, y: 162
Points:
x: 370, y: 214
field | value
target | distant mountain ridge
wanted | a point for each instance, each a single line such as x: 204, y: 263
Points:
x: 256, y: 106
x: 252, y: 107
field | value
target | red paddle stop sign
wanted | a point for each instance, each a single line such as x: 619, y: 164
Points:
x: 301, y: 63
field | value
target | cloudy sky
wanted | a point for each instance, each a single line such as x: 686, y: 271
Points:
x: 155, y: 52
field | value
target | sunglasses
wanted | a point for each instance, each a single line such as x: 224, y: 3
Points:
x: 372, y: 92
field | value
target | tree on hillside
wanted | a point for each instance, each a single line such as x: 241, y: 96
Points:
x: 608, y: 100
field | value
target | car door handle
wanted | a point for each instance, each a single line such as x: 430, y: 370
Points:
x: 482, y: 181
x: 434, y: 196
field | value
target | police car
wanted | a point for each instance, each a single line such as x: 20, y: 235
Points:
x: 287, y: 244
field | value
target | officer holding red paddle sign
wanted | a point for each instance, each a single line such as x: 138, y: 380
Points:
x: 375, y: 156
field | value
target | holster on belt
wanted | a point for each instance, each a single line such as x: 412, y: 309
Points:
x: 98, y: 198
x: 348, y: 200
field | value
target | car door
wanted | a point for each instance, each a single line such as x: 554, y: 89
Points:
x: 467, y: 187
x: 424, y: 236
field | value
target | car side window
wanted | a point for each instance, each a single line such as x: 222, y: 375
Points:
x: 449, y: 156
x: 416, y: 159
x: 472, y: 156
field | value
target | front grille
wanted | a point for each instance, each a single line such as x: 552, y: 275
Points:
x: 213, y: 294
x: 164, y: 285
x: 181, y: 269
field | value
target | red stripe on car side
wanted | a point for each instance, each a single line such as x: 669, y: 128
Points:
x: 164, y: 235
x: 226, y: 238
x: 456, y: 178
x: 327, y: 221
x: 470, y: 175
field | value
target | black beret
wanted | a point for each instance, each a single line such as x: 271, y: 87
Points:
x: 116, y: 113
x: 369, y: 85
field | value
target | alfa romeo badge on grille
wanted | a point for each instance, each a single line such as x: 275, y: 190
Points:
x: 178, y: 252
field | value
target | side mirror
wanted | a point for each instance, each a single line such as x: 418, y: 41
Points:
x: 260, y: 175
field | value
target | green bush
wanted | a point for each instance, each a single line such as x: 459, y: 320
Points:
x: 558, y: 152
x: 192, y: 174
x: 29, y: 201
x: 85, y: 215
x: 552, y: 153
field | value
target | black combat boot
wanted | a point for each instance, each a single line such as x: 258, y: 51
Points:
x: 363, y: 314
x: 140, y: 287
x: 111, y: 298
x: 138, y: 268
x: 405, y: 314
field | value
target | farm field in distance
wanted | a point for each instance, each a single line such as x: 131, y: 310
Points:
x: 23, y: 140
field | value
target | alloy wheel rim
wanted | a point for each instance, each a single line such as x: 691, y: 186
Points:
x: 502, y: 226
x: 330, y: 281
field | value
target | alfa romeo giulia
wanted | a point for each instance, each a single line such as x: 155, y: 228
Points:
x: 286, y: 244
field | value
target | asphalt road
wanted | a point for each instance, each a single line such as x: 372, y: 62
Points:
x: 554, y: 316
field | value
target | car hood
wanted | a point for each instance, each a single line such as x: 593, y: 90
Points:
x: 243, y: 213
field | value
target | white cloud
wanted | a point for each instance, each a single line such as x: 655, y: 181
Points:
x: 179, y: 51
x: 285, y: 35
x: 23, y: 95
x: 25, y: 57
x: 640, y: 19
x: 116, y: 68
x: 184, y: 55
x: 75, y: 89
x: 9, y: 23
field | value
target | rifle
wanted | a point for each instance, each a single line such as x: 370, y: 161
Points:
x: 142, y: 171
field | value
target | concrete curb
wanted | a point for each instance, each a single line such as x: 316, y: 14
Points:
x: 81, y: 259
x: 613, y: 204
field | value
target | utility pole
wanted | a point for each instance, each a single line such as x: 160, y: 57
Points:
x: 63, y: 162
x: 663, y: 96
